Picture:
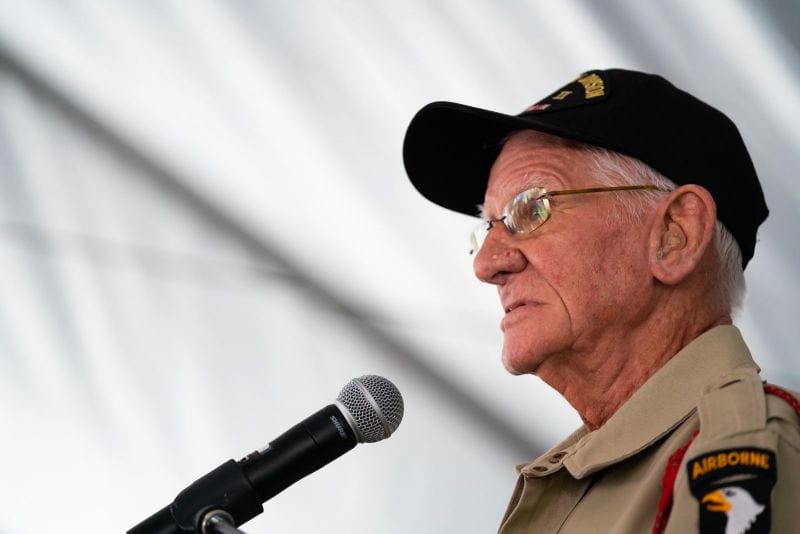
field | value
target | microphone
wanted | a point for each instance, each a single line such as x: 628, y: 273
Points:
x: 368, y: 409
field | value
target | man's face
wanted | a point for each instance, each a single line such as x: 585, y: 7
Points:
x: 577, y: 284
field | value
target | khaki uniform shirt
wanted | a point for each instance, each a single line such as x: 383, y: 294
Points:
x: 610, y: 480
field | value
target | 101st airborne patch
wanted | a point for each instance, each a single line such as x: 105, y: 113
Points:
x: 733, y: 488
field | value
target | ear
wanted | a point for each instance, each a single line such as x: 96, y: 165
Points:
x: 682, y: 233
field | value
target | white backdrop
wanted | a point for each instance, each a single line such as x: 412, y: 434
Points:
x: 207, y: 230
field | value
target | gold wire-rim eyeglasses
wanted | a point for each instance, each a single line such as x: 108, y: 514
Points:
x: 537, y: 214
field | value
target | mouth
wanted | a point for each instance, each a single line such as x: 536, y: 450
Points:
x: 518, y: 304
x: 515, y: 312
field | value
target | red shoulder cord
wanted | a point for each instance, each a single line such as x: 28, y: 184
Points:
x: 674, y: 464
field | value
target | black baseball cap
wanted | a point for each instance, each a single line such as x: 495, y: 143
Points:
x: 449, y: 148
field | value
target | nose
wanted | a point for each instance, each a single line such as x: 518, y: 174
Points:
x: 498, y: 257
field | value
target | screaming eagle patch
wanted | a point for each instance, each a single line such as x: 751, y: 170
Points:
x: 732, y: 488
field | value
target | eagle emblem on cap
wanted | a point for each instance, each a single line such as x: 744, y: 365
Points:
x: 737, y: 504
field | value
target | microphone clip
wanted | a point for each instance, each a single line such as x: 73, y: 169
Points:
x: 225, y: 490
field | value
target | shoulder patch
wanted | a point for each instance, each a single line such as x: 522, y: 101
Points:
x: 733, y: 488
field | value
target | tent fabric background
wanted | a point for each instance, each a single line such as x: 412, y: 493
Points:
x: 207, y: 231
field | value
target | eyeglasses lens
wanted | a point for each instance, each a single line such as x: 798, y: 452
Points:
x: 477, y: 236
x: 524, y: 214
x: 528, y: 211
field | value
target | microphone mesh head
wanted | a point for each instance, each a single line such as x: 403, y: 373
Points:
x: 375, y: 405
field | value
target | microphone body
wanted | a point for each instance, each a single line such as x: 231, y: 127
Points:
x: 298, y: 452
x: 240, y: 487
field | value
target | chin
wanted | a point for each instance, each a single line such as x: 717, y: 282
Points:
x: 511, y: 369
x: 518, y: 364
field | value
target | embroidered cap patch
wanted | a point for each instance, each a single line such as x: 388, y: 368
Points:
x: 589, y: 87
x: 732, y: 488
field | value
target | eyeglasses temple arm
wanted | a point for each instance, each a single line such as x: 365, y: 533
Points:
x: 603, y: 190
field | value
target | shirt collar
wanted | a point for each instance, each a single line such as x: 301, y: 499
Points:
x: 659, y: 405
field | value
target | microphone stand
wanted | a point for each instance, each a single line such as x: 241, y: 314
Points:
x: 219, y: 522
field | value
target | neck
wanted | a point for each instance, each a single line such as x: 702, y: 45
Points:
x: 597, y: 380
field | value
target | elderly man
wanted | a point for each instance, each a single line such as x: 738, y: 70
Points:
x: 618, y: 216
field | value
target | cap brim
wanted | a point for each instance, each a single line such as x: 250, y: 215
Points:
x: 450, y: 148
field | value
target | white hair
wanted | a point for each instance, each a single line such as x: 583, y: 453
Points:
x: 611, y: 169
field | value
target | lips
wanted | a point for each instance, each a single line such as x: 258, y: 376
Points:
x: 514, y: 312
x: 514, y: 306
x: 519, y: 304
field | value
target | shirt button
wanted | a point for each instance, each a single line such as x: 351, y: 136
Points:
x: 539, y: 468
x: 557, y: 457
